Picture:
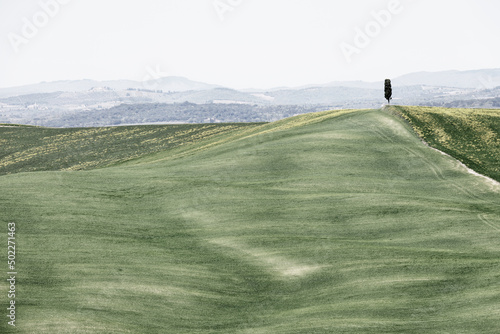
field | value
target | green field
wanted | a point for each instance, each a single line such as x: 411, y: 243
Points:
x: 28, y: 148
x: 470, y: 135
x: 334, y: 222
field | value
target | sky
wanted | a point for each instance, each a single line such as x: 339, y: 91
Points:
x: 244, y: 43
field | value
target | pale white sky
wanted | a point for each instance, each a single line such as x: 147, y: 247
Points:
x: 244, y: 43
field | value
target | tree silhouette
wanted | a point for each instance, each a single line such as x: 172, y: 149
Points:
x: 388, y: 90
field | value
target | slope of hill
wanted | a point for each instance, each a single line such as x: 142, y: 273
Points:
x: 470, y: 135
x: 27, y: 149
x: 335, y: 222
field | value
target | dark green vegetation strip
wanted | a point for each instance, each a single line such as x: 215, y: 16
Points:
x: 323, y: 223
x: 27, y: 149
x: 470, y: 135
x: 15, y: 125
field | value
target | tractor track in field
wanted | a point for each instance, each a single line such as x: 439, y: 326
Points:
x: 488, y: 222
x: 438, y: 172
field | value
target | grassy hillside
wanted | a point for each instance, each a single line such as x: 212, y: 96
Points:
x: 470, y: 135
x: 26, y: 148
x: 335, y: 222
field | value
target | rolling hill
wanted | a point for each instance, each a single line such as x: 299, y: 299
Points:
x: 29, y: 149
x: 331, y: 222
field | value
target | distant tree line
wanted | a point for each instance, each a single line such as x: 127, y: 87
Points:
x: 145, y: 90
x: 493, y: 103
x: 180, y: 113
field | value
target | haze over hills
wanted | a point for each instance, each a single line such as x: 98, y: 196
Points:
x: 82, y: 102
x: 177, y: 84
x: 478, y: 79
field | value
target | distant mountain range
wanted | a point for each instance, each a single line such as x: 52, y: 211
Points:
x: 476, y: 79
x: 47, y: 103
x: 175, y: 84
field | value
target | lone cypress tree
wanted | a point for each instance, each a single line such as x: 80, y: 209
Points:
x: 388, y: 90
